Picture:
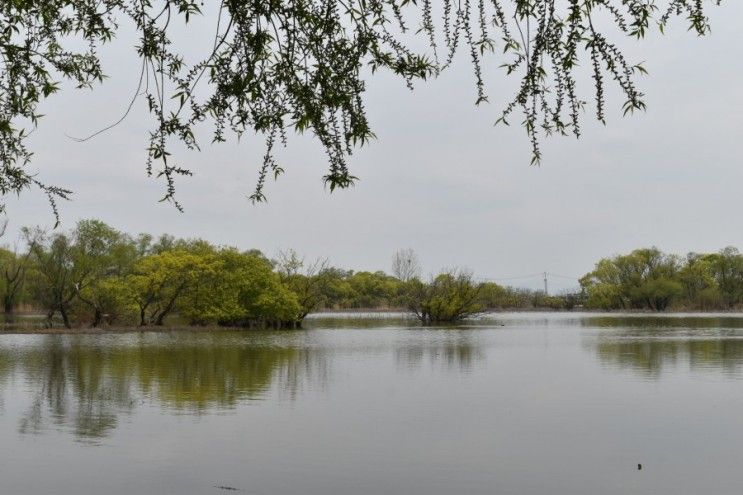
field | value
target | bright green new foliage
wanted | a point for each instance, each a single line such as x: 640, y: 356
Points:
x: 243, y: 289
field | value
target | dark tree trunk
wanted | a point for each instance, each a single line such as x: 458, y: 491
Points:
x: 8, y: 306
x: 9, y: 309
x: 49, y: 316
x: 160, y: 320
x: 65, y: 317
x: 97, y: 318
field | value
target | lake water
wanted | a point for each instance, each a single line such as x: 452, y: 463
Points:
x: 512, y: 404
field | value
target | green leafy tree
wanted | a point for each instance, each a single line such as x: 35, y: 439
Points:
x: 727, y: 269
x: 450, y: 297
x: 603, y: 287
x: 107, y: 301
x: 158, y: 282
x: 243, y: 290
x: 335, y: 290
x: 700, y: 287
x: 56, y: 276
x: 645, y: 278
x: 374, y: 290
x: 15, y: 267
x: 106, y: 255
x: 71, y: 268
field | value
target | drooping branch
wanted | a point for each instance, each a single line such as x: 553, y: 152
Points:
x: 276, y: 67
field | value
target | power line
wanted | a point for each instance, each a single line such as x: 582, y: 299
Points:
x: 543, y: 275
x: 562, y: 276
x: 495, y: 279
x: 532, y: 275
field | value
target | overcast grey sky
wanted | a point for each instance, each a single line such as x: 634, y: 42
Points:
x: 440, y: 178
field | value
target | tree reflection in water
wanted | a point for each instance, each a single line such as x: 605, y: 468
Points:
x: 84, y: 385
x: 649, y: 345
x: 453, y: 349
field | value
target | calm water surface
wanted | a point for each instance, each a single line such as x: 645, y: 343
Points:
x: 515, y: 404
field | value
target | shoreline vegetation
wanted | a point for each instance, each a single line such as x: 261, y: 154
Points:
x: 23, y: 326
x: 95, y: 277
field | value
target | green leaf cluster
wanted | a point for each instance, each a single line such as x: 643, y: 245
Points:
x: 652, y: 280
x: 276, y: 67
x: 97, y: 275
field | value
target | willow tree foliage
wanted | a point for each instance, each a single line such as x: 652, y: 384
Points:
x: 274, y: 67
x: 451, y: 296
x: 650, y: 279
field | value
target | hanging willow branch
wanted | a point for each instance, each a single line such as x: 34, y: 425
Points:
x: 276, y: 66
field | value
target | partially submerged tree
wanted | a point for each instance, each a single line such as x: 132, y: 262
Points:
x: 159, y: 281
x: 97, y: 275
x: 451, y: 296
x: 242, y: 290
x: 275, y: 67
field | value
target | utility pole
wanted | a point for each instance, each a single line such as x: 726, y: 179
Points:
x: 545, y: 284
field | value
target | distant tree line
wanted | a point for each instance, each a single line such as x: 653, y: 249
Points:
x: 648, y: 279
x: 96, y: 275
